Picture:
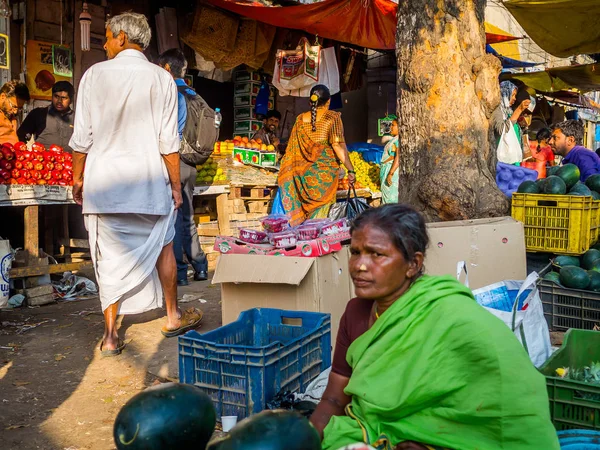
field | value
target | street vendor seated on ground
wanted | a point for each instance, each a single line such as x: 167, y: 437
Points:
x: 9, y: 108
x: 418, y: 362
x: 268, y: 133
x: 52, y: 124
x: 566, y: 141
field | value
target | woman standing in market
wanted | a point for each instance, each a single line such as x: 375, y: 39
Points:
x: 389, y: 167
x: 418, y: 364
x: 308, y: 176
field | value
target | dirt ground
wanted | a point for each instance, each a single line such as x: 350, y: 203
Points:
x: 58, y: 393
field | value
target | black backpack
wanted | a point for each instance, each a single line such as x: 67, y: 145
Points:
x: 199, y: 133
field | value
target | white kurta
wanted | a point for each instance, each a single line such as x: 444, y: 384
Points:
x: 125, y: 121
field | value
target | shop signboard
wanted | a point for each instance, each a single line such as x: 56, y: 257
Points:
x: 4, y: 52
x: 40, y: 69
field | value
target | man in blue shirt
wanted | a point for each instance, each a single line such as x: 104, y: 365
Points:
x: 186, y: 235
x: 566, y: 141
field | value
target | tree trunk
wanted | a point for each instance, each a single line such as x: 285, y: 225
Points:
x: 447, y: 90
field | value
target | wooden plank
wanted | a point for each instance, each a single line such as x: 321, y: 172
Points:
x: 34, y: 271
x: 32, y: 230
x: 65, y: 250
x: 75, y: 243
x: 222, y: 202
x: 49, y: 222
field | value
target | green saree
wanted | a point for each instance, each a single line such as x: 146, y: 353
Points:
x: 439, y: 369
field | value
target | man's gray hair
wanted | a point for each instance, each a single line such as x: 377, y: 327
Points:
x: 134, y: 25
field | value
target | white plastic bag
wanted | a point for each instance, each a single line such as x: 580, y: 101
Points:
x: 328, y: 75
x: 6, y: 258
x: 527, y: 323
x: 509, y: 148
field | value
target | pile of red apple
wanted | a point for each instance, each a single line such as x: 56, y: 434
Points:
x: 19, y: 165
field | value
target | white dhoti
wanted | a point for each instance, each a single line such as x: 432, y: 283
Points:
x: 124, y: 250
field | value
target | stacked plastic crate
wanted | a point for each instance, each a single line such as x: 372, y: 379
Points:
x: 246, y: 87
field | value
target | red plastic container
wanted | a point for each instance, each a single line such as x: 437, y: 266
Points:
x: 283, y: 240
x: 335, y: 227
x: 253, y: 236
x: 275, y: 223
x: 308, y: 232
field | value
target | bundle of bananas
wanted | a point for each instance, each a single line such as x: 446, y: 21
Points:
x: 367, y: 174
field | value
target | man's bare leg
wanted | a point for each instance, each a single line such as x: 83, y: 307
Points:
x: 167, y: 272
x: 111, y: 337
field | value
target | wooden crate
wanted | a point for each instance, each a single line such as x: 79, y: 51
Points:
x: 252, y: 192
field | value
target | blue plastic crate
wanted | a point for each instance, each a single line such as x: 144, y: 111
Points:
x: 579, y: 440
x: 242, y: 365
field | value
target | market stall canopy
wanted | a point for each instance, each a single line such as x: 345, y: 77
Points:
x: 584, y: 78
x: 562, y: 28
x: 510, y: 63
x: 372, y: 26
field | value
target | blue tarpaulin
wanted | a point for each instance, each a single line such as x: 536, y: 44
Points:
x: 509, y: 63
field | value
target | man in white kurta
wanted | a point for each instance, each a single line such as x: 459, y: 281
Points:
x: 126, y: 172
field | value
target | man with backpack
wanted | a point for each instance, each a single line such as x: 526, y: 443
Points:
x: 197, y: 141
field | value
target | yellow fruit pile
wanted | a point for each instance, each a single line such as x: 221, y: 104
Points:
x: 367, y: 174
x: 210, y: 172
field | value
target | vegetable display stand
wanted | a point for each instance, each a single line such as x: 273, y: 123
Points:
x: 555, y: 223
x: 243, y: 365
x: 574, y: 404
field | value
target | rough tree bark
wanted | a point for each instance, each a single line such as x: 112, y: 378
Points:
x: 447, y: 90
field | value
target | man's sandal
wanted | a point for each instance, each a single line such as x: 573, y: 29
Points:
x: 190, y: 319
x: 114, y: 352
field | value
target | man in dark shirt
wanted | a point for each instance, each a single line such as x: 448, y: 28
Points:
x: 267, y: 134
x: 52, y: 124
x: 566, y: 141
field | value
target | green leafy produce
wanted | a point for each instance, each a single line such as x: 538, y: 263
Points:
x: 570, y: 174
x: 164, y: 417
x: 554, y: 185
x: 589, y: 257
x: 528, y: 187
x: 574, y: 277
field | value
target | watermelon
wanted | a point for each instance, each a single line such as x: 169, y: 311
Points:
x: 167, y: 416
x: 594, y: 281
x: 540, y: 184
x: 574, y: 277
x: 553, y: 277
x: 570, y: 174
x: 555, y: 185
x: 581, y: 189
x: 270, y: 430
x: 593, y: 182
x: 595, y: 265
x: 595, y: 195
x: 552, y: 170
x: 562, y: 261
x: 528, y: 187
x: 589, y: 257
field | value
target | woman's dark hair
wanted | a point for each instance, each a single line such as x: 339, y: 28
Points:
x: 522, y: 95
x: 543, y: 134
x: 403, y: 224
x: 319, y: 95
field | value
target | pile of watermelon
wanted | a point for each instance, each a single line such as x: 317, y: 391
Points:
x: 20, y: 165
x: 577, y: 273
x: 563, y: 180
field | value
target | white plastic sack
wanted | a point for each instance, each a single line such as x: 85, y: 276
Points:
x: 509, y: 148
x: 328, y: 75
x: 6, y: 258
x: 528, y: 323
x: 316, y: 388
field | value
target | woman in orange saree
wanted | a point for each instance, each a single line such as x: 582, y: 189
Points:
x: 308, y: 175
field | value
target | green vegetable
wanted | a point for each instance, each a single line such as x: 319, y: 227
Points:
x: 570, y: 174
x: 574, y: 277
x: 271, y: 430
x: 589, y: 257
x: 561, y: 261
x: 528, y: 187
x: 167, y: 416
x: 554, y: 185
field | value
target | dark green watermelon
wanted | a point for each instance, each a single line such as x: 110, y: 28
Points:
x: 570, y: 174
x: 593, y: 182
x: 552, y: 170
x: 589, y: 257
x: 270, y: 430
x: 574, y: 277
x: 554, y: 185
x: 554, y: 277
x: 168, y: 416
x: 595, y: 195
x: 562, y: 261
x: 594, y: 281
x: 595, y: 265
x: 540, y: 184
x: 528, y: 187
x: 581, y: 189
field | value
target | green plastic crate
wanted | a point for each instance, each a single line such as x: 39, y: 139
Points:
x: 573, y: 404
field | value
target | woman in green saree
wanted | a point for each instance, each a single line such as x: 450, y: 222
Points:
x: 418, y: 363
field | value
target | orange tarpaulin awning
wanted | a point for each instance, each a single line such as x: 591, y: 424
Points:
x: 373, y: 26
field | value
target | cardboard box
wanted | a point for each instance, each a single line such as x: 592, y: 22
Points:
x: 493, y: 249
x: 300, y: 284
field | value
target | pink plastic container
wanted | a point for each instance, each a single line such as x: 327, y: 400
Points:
x: 253, y: 236
x: 284, y: 239
x: 275, y: 223
x: 335, y: 227
x: 308, y: 232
